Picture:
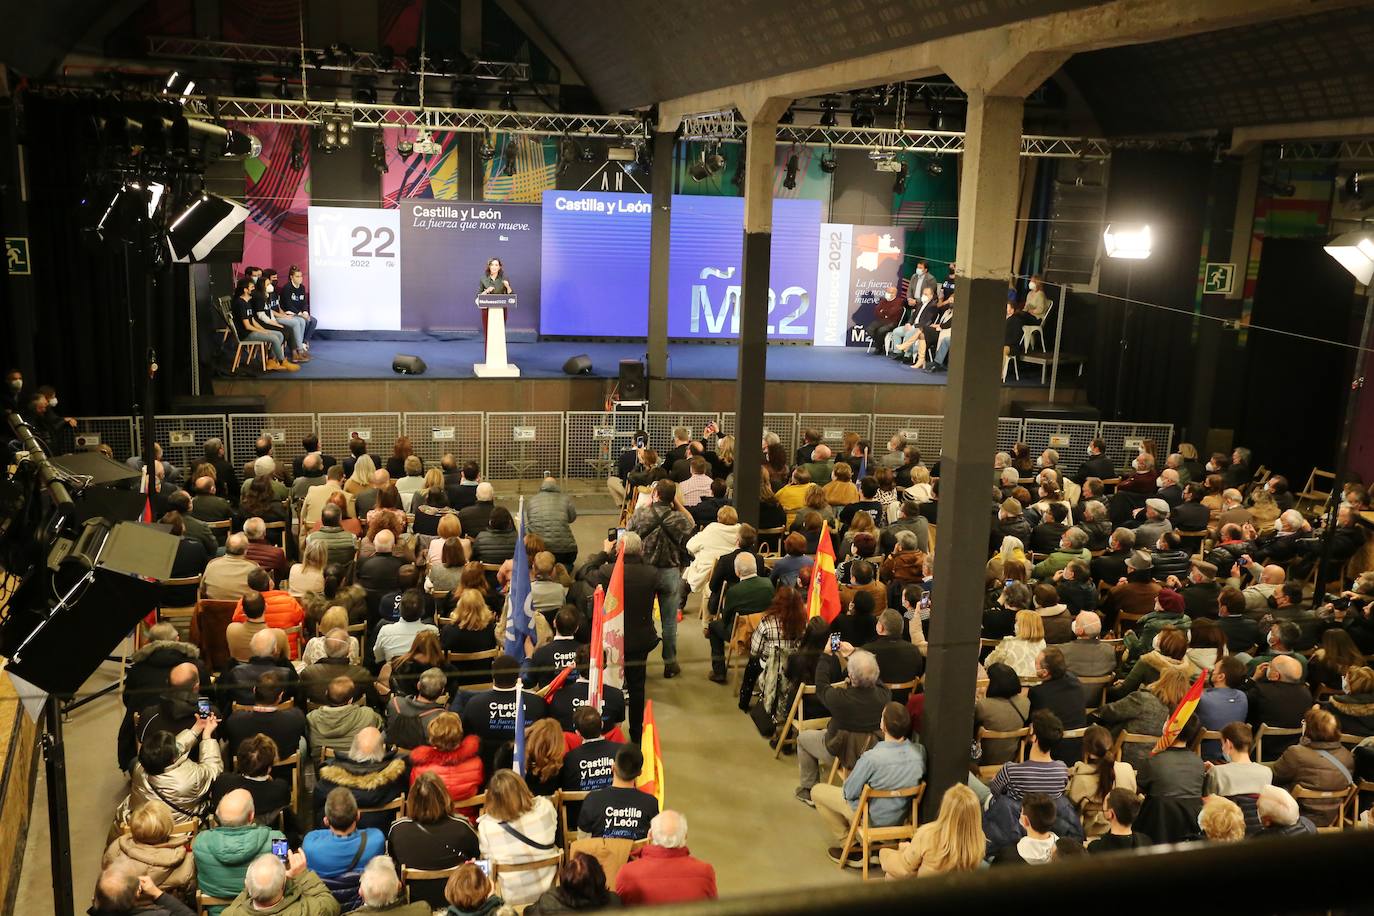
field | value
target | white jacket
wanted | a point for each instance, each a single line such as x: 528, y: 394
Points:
x: 706, y: 546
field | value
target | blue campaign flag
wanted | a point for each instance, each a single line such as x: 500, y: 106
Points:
x: 518, y: 761
x: 518, y: 622
x: 863, y: 466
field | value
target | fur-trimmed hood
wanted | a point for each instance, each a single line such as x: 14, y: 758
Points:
x: 352, y: 774
x: 171, y: 647
x: 1360, y: 704
x: 1162, y: 663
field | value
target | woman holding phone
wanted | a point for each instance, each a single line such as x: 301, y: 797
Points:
x: 493, y: 283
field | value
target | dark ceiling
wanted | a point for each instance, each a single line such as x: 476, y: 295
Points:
x: 632, y: 53
x: 1310, y: 68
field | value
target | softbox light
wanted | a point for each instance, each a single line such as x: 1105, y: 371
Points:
x: 202, y: 226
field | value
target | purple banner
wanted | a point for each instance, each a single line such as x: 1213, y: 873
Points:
x: 445, y: 246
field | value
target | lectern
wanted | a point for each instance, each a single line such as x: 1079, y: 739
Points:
x: 496, y: 365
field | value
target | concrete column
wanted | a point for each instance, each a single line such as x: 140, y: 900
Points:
x: 661, y: 186
x: 753, y: 306
x: 987, y: 212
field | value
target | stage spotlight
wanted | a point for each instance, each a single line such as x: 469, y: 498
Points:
x: 406, y: 92
x: 1355, y: 252
x: 937, y: 120
x: 862, y: 115
x: 365, y: 90
x: 789, y: 181
x: 404, y: 148
x: 588, y: 154
x: 379, y: 153
x: 828, y: 106
x: 297, y: 161
x: 568, y: 153
x: 335, y: 131
x: 239, y: 145
x: 488, y: 149
x: 1352, y: 188
x: 1129, y: 241
x: 508, y: 160
x: 788, y: 116
x: 934, y: 169
x: 899, y: 183
x: 386, y: 58
x: 179, y: 84
x: 202, y: 226
x: 426, y: 145
x: 508, y: 98
x: 709, y: 163
x: 828, y: 161
x: 283, y: 90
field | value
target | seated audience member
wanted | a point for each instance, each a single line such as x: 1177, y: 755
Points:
x: 1077, y: 591
x: 395, y: 639
x: 1242, y: 632
x: 1048, y: 536
x: 1237, y: 778
x: 283, y: 889
x: 339, y: 543
x: 1330, y: 665
x: 793, y: 560
x: 470, y: 892
x: 1168, y: 611
x: 119, y: 892
x: 1120, y: 811
x: 591, y: 764
x: 517, y: 827
x: 253, y: 759
x: 1279, y: 698
x: 409, y: 714
x: 1171, y: 651
x: 496, y: 542
x: 1221, y: 820
x: 425, y: 653
x: 1168, y: 557
x: 546, y: 746
x: 581, y: 883
x: 381, y: 891
x: 1002, y: 708
x: 1279, y: 813
x: 239, y: 634
x: 449, y: 755
x: 334, y: 657
x: 264, y: 655
x: 1039, y: 772
x: 267, y: 555
x: 1020, y: 650
x: 280, y: 610
x: 1038, y: 815
x: 490, y: 715
x: 1059, y: 692
x: 224, y: 852
x: 1144, y: 712
x: 560, y: 652
x: 666, y: 871
x: 751, y: 594
x: 620, y: 811
x: 226, y: 578
x: 1223, y: 702
x: 896, y: 762
x: 1073, y: 545
x: 1087, y: 655
x: 341, y: 846
x: 1354, y: 706
x: 1092, y: 779
x: 174, y: 712
x: 476, y: 517
x: 446, y: 570
x: 1110, y: 567
x: 473, y: 629
x: 855, y: 716
x: 905, y: 564
x: 1283, y: 638
x: 340, y: 720
x: 379, y: 573
x: 373, y: 774
x: 953, y: 842
x: 307, y: 576
x: 149, y: 850
x: 285, y: 726
x: 1172, y: 783
x: 1319, y: 762
x: 563, y: 704
x: 898, y: 660
x: 164, y: 769
x: 1054, y: 616
x: 431, y: 837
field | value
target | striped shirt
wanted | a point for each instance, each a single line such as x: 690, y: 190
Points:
x: 1047, y: 777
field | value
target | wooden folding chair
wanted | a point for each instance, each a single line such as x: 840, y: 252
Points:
x: 870, y: 837
x: 498, y: 869
x: 180, y: 616
x: 1206, y: 734
x: 1124, y: 620
x: 1311, y: 502
x: 477, y: 801
x: 795, y: 723
x: 1095, y: 690
x: 745, y: 624
x: 293, y: 763
x: 1125, y: 738
x: 204, y: 902
x: 409, y: 874
x: 1348, y: 798
x: 570, y: 833
x: 987, y: 772
x: 769, y: 539
x: 397, y: 807
x: 209, y: 625
x: 256, y: 349
x: 1272, y: 732
x: 459, y: 657
x: 248, y: 707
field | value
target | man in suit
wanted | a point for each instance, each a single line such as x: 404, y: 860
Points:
x: 1169, y: 489
x: 1098, y: 464
x: 921, y: 281
x: 886, y: 313
x: 750, y: 595
x: 474, y: 518
x: 316, y: 497
x: 461, y: 488
x: 1242, y: 632
x: 1060, y: 692
x: 310, y: 445
x: 207, y: 505
x: 899, y: 660
x: 1200, y: 592
x: 1111, y: 566
x: 309, y: 473
x: 1191, y: 514
x: 380, y: 572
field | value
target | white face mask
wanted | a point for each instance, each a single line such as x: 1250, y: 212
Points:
x: 925, y: 299
x: 920, y: 271
x: 1270, y: 639
x: 1034, y: 287
x: 1211, y: 467
x: 889, y: 296
x: 52, y: 402
x: 1159, y: 483
x: 17, y: 384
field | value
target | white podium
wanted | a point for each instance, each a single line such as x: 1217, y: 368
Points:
x: 496, y: 365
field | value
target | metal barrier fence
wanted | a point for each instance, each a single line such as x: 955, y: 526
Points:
x: 183, y: 436
x: 116, y: 432
x: 579, y: 444
x: 286, y: 429
x: 523, y: 446
x: 1069, y: 438
x: 378, y: 430
x: 434, y: 435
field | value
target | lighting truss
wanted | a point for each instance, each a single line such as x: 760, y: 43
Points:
x: 1331, y: 150
x: 711, y: 125
x: 282, y: 56
x: 935, y: 141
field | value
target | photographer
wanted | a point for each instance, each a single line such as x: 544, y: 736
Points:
x: 630, y: 461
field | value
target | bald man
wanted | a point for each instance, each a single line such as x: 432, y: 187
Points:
x: 264, y: 654
x: 666, y: 871
x: 118, y: 890
x: 1279, y: 698
x: 821, y: 466
x: 226, y: 577
x: 173, y: 711
x: 222, y: 854
x: 206, y: 503
x: 289, y: 889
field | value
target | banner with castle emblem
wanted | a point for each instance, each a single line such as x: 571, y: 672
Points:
x: 854, y: 266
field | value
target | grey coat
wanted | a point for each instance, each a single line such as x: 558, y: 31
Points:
x: 550, y: 514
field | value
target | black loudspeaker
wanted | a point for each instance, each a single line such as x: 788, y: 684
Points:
x: 1039, y: 410
x: 404, y: 364
x: 632, y: 386
x: 581, y: 364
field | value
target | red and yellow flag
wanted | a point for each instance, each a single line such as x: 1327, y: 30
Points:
x: 651, y: 778
x: 823, y: 598
x: 1180, y: 716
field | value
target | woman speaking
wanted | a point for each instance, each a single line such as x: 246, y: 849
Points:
x: 493, y: 283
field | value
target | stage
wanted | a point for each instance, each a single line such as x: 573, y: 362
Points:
x: 347, y: 373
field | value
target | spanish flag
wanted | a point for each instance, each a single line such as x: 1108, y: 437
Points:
x: 1180, y: 716
x: 651, y: 777
x: 823, y: 598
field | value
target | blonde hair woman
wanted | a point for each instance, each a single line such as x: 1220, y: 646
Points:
x: 1144, y: 711
x: 363, y: 469
x: 1020, y: 649
x: 841, y: 490
x: 921, y: 489
x: 148, y: 849
x: 307, y: 576
x: 533, y: 824
x: 953, y: 842
x: 336, y: 618
x: 1221, y: 820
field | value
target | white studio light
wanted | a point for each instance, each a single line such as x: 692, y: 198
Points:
x: 1130, y: 241
x: 1355, y: 252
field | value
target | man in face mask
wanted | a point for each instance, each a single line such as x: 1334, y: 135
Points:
x: 887, y: 314
x: 14, y: 390
x: 920, y: 315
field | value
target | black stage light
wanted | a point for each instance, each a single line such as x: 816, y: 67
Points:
x: 788, y: 116
x: 862, y: 115
x: 828, y: 161
x: 365, y: 90
x: 488, y: 149
x: 934, y: 169
x: 283, y: 91
x: 404, y: 148
x: 379, y: 153
x: 407, y: 93
x: 508, y: 159
x: 297, y: 161
x: 386, y: 58
x: 899, y: 184
x: 828, y: 106
x: 789, y: 181
x: 508, y: 98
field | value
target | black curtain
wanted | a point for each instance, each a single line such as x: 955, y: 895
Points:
x: 85, y: 326
x: 1168, y: 191
x: 1303, y: 290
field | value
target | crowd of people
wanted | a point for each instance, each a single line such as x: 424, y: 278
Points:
x: 361, y: 723
x: 276, y: 316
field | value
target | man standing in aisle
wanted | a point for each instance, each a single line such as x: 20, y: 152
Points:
x: 664, y: 527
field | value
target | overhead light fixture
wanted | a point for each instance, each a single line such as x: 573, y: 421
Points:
x: 707, y: 164
x: 899, y: 183
x: 379, y: 153
x: 404, y: 147
x: 297, y: 160
x: 488, y: 149
x: 508, y: 159
x: 1351, y: 188
x: 934, y: 169
x: 407, y: 93
x: 862, y: 114
x: 365, y: 90
x: 426, y: 145
x: 386, y: 57
x: 240, y: 145
x: 788, y: 116
x: 828, y: 161
x: 789, y: 181
x: 283, y: 90
x: 568, y: 153
x: 1129, y: 241
x: 937, y: 120
x: 1355, y: 252
x: 508, y: 98
x: 335, y: 131
x: 179, y: 84
x: 202, y: 226
x: 828, y: 106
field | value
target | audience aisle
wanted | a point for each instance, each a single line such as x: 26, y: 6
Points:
x: 720, y: 774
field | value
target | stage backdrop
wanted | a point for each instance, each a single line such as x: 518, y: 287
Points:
x: 355, y: 275
x: 854, y: 265
x: 444, y: 249
x: 596, y: 264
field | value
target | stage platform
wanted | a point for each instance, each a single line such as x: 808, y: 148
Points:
x: 346, y: 373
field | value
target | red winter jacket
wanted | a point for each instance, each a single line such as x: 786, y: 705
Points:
x: 665, y: 876
x: 460, y: 769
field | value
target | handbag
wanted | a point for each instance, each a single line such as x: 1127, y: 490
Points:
x: 762, y: 719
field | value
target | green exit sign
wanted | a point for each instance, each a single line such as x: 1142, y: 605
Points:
x: 1219, y: 279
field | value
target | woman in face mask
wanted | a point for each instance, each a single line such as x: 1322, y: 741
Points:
x: 14, y: 389
x: 1036, y: 302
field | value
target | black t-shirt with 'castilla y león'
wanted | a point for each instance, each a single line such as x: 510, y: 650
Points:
x: 617, y: 813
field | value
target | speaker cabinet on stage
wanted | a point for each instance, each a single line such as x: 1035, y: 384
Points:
x: 1040, y: 410
x: 632, y: 385
x: 403, y: 364
x: 581, y: 364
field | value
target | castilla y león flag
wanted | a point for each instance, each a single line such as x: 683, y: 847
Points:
x: 823, y: 599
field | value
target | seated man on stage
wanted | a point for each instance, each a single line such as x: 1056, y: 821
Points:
x: 249, y: 329
x: 295, y: 300
x: 262, y: 312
